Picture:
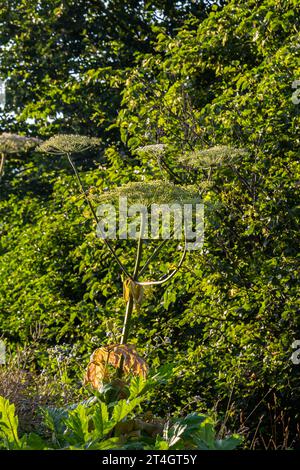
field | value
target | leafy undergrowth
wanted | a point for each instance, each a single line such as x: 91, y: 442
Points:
x: 107, y: 421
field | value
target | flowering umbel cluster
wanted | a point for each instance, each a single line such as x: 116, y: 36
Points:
x: 151, y: 192
x: 64, y: 144
x: 16, y: 144
x: 219, y: 155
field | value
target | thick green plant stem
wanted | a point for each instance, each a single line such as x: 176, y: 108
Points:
x: 127, y: 319
x: 129, y: 306
x: 109, y: 246
x: 130, y: 302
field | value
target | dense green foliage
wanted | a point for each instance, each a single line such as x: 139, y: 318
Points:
x: 60, y: 57
x: 221, y: 76
x: 96, y: 424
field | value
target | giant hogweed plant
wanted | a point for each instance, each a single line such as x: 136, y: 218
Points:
x: 123, y: 356
x: 105, y: 420
x: 181, y: 184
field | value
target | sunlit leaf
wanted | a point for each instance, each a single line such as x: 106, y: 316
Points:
x: 98, y: 367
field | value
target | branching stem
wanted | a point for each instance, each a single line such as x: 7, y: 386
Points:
x: 109, y: 246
